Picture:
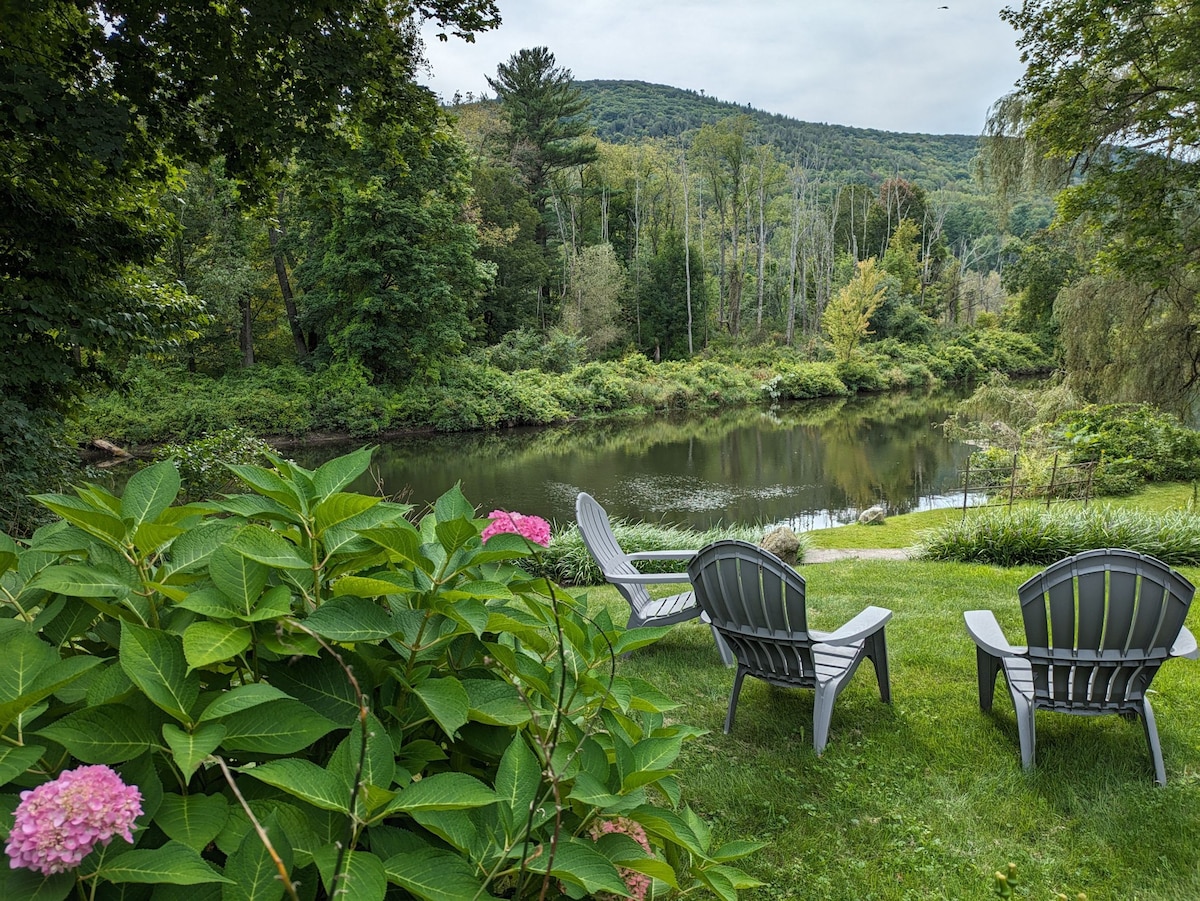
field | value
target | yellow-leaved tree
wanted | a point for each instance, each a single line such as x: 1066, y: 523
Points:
x: 847, y: 317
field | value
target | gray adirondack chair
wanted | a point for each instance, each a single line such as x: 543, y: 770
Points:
x: 619, y: 571
x: 757, y: 604
x: 1098, y: 626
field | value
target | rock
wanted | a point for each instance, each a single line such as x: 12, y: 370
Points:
x: 783, y: 543
x: 872, y: 516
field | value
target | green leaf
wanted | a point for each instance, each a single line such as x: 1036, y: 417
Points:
x: 435, y: 876
x: 15, y: 761
x: 251, y: 506
x: 363, y: 878
x: 277, y: 727
x: 261, y: 544
x: 191, y: 748
x: 447, y: 702
x: 456, y: 533
x: 208, y: 642
x: 403, y: 541
x: 339, y: 472
x: 578, y: 862
x: 495, y: 702
x: 254, y: 871
x: 194, y: 547
x: 444, y: 791
x: 26, y: 885
x: 379, y: 765
x: 322, y: 685
x: 112, y: 733
x: 152, y: 537
x: 351, y: 619
x: 8, y: 553
x: 105, y: 526
x: 374, y: 586
x: 657, y: 753
x: 242, y: 697
x: 32, y: 672
x: 453, y: 505
x: 238, y: 577
x: 173, y: 863
x: 735, y: 849
x: 339, y: 509
x: 149, y: 492
x: 192, y: 820
x: 518, y: 781
x: 272, y: 485
x: 79, y: 581
x: 154, y: 660
x: 305, y: 780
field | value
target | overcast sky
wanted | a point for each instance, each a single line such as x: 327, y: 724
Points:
x: 895, y: 65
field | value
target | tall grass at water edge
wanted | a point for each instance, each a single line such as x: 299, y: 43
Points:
x: 568, y: 561
x: 1031, y: 535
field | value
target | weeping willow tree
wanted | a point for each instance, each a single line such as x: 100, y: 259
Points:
x: 1105, y: 115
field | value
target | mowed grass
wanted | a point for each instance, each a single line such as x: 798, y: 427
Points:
x: 926, y: 797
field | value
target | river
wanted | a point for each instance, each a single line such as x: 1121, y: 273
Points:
x: 809, y: 465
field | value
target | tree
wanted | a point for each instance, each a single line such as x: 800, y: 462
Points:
x: 96, y: 94
x: 593, y: 306
x: 672, y: 273
x: 1106, y: 111
x: 847, y: 318
x: 546, y: 131
x: 390, y: 278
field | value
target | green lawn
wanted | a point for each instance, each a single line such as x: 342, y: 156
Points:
x: 926, y: 798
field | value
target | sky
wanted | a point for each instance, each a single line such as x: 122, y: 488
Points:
x: 893, y: 65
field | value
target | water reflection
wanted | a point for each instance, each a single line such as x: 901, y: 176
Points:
x: 810, y: 465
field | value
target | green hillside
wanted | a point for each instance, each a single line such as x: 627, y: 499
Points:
x: 629, y: 111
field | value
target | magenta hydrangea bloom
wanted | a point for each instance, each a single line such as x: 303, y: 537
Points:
x: 637, y: 883
x: 57, y: 824
x: 533, y: 528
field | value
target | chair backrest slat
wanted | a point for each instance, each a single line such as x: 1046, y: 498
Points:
x: 1098, y: 626
x: 757, y: 603
x: 598, y: 538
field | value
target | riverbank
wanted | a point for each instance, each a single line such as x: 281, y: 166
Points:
x: 162, y: 403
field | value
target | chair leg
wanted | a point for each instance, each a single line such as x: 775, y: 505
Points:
x: 1147, y: 714
x: 877, y: 651
x: 822, y: 715
x: 1026, y: 729
x: 723, y: 648
x: 733, y: 698
x: 988, y: 666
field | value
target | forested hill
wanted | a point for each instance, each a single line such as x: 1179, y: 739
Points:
x: 629, y: 111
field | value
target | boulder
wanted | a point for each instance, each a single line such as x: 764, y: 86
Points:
x: 783, y: 543
x: 872, y: 516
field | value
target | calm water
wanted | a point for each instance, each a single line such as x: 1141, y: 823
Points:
x: 810, y: 465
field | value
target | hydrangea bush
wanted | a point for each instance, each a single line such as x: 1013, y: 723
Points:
x: 298, y: 692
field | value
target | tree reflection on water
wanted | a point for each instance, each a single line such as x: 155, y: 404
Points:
x: 811, y: 464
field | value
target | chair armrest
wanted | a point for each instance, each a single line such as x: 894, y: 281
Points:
x: 646, y: 578
x: 1185, y: 645
x: 661, y: 555
x: 871, y: 620
x: 986, y: 633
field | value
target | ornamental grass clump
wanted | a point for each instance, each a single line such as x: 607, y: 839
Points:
x: 60, y: 822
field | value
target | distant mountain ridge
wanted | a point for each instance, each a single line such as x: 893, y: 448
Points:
x: 629, y: 111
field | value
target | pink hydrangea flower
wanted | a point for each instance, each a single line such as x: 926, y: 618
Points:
x: 638, y: 883
x: 533, y: 528
x: 57, y: 824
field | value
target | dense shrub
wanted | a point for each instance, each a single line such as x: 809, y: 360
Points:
x: 204, y: 465
x: 308, y: 693
x: 1152, y: 445
x: 805, y: 381
x: 344, y: 400
x: 1038, y: 537
x: 34, y: 456
x: 861, y: 375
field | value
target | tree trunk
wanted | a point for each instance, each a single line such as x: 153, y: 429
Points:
x: 285, y: 288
